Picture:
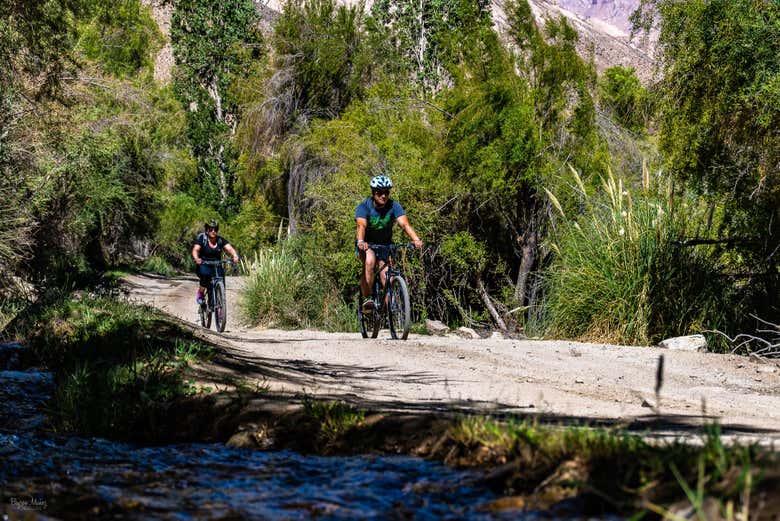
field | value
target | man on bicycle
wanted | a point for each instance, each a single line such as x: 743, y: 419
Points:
x: 208, y: 246
x: 375, y: 217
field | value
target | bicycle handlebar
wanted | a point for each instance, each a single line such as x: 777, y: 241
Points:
x: 216, y: 262
x: 374, y: 246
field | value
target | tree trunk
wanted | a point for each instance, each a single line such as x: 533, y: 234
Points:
x: 224, y: 182
x: 528, y: 246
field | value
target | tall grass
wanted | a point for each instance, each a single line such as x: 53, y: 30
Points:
x: 282, y: 291
x: 622, y: 272
x: 159, y: 265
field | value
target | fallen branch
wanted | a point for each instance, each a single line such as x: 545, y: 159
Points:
x: 755, y: 345
x: 489, y: 305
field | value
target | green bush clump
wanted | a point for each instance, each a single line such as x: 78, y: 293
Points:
x: 621, y: 92
x: 181, y: 219
x: 122, y: 36
x: 158, y: 265
x: 622, y: 273
x: 284, y: 291
x: 115, y: 363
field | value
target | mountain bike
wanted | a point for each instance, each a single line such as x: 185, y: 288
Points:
x: 391, y: 302
x: 215, y: 299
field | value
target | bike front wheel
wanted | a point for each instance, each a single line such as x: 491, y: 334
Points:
x: 369, y: 322
x: 204, y: 313
x: 400, y: 311
x: 220, y: 306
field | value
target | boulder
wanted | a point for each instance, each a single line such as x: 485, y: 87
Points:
x: 467, y: 332
x: 685, y: 343
x: 436, y: 327
x: 497, y: 335
x: 242, y: 440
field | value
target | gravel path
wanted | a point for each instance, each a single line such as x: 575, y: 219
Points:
x: 561, y: 381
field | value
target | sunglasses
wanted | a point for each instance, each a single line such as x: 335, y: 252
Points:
x: 212, y: 229
x: 381, y: 192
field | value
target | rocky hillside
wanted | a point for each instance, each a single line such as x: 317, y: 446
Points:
x: 613, y: 14
x: 603, y: 26
x: 604, y: 32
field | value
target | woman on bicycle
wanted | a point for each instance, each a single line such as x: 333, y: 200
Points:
x: 375, y: 217
x: 208, y: 246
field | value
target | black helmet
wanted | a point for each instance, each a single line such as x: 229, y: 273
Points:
x: 212, y: 224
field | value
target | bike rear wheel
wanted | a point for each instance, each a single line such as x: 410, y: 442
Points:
x: 220, y: 306
x: 400, y: 311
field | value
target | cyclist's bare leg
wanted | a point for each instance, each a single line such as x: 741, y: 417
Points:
x: 368, y: 258
x: 382, y: 271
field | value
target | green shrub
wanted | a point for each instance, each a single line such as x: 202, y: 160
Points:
x: 158, y: 265
x: 620, y: 91
x: 122, y: 36
x: 284, y: 291
x: 621, y: 273
x: 181, y: 220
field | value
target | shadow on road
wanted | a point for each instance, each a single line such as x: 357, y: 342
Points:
x: 351, y: 383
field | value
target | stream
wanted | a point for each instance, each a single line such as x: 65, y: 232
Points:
x: 71, y: 477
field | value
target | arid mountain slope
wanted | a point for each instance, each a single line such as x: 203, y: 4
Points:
x: 603, y: 27
x: 604, y: 31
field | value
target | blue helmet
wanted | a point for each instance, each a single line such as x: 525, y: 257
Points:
x: 381, y: 181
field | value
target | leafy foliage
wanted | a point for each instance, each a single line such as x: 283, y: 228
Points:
x: 719, y: 112
x: 214, y: 43
x: 421, y: 39
x: 36, y: 43
x: 620, y: 91
x: 122, y: 36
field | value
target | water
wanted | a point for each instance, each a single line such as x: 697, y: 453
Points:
x: 76, y: 478
x: 207, y: 481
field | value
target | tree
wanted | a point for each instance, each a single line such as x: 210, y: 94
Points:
x: 621, y: 92
x: 319, y: 67
x: 516, y: 119
x: 214, y: 43
x: 423, y: 35
x: 37, y: 38
x: 719, y: 112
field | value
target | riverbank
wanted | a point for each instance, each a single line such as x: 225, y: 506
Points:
x: 130, y: 373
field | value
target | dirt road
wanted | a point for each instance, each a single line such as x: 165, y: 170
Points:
x: 561, y: 381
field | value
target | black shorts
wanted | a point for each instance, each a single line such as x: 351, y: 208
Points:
x: 206, y: 273
x: 381, y: 253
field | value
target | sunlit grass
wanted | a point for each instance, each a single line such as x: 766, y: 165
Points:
x: 159, y: 266
x: 115, y: 362
x: 626, y: 472
x: 621, y: 273
x: 334, y: 419
x: 281, y: 291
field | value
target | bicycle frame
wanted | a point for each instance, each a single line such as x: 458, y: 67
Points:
x: 388, y: 310
x: 214, y: 304
x: 391, y: 271
x: 218, y: 276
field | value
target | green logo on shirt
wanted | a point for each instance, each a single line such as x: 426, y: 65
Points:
x: 380, y: 223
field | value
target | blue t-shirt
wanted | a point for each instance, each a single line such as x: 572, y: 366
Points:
x: 380, y: 222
